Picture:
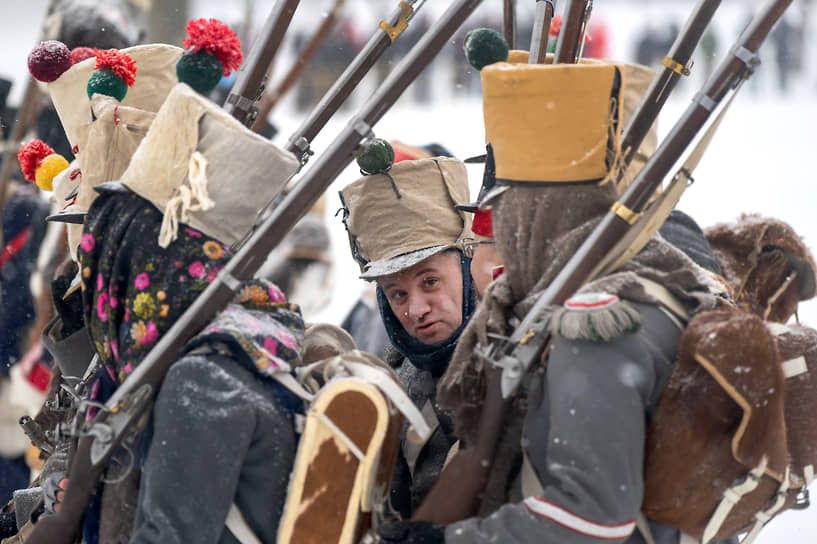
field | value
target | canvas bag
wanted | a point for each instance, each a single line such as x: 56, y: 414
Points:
x: 202, y: 167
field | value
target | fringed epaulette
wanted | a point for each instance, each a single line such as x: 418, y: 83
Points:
x: 596, y: 317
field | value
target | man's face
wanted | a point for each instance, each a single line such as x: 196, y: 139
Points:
x: 427, y: 298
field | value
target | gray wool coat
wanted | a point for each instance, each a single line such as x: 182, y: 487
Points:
x: 584, y: 436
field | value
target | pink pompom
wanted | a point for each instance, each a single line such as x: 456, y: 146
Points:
x: 79, y: 54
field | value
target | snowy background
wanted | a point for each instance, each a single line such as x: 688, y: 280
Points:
x: 760, y: 160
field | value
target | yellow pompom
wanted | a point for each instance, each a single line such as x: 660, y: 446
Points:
x: 49, y: 168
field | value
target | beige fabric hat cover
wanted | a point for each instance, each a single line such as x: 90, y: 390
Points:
x: 422, y: 222
x: 104, y: 132
x: 202, y: 167
x: 527, y: 105
x: 155, y: 76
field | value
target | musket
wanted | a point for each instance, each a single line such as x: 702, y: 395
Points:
x: 129, y: 402
x: 676, y: 64
x: 251, y: 78
x: 387, y: 32
x: 541, y: 30
x: 509, y: 22
x: 270, y: 100
x: 507, y: 360
x: 571, y: 36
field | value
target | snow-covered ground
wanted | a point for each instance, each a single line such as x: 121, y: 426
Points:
x: 759, y: 161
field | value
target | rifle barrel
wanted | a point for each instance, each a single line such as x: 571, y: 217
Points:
x: 664, y: 83
x: 541, y: 31
x: 252, y: 74
x: 509, y: 22
x: 567, y: 44
x: 380, y: 40
x: 271, y: 99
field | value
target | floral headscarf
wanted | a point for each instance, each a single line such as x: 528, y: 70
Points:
x: 134, y: 291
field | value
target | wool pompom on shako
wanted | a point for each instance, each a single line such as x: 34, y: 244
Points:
x: 203, y: 168
x: 40, y: 164
x: 416, y: 198
x: 114, y: 72
x: 212, y: 51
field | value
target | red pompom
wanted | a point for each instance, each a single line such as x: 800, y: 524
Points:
x: 79, y: 54
x: 215, y: 38
x: 30, y: 157
x: 483, y: 224
x: 119, y: 62
x: 555, y: 26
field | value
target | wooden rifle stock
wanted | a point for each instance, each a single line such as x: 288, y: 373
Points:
x: 249, y: 83
x: 270, y: 100
x: 383, y: 37
x: 676, y: 64
x: 541, y: 31
x: 133, y: 396
x: 447, y: 501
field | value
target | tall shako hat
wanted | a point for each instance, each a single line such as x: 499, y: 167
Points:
x: 398, y: 215
x: 581, y: 103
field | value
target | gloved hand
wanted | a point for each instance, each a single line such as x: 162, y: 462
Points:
x: 52, y: 491
x: 411, y: 532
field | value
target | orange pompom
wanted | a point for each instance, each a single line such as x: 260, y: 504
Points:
x: 31, y: 155
x: 119, y: 62
x: 215, y: 38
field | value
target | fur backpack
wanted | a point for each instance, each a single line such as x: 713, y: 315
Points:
x: 733, y: 441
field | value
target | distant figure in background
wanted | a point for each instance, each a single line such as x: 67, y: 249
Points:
x: 301, y: 266
x: 23, y: 228
x: 784, y: 37
x: 710, y: 46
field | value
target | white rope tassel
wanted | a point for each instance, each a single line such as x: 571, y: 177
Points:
x: 731, y: 496
x: 187, y: 198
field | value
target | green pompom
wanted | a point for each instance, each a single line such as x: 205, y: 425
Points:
x: 104, y: 81
x: 200, y: 70
x: 484, y: 46
x: 377, y: 156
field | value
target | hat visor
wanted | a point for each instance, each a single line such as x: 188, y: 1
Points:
x: 386, y: 267
x: 76, y: 218
x: 491, y: 195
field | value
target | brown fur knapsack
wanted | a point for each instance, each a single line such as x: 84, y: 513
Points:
x: 733, y: 441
